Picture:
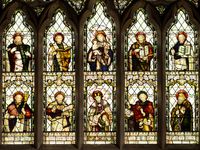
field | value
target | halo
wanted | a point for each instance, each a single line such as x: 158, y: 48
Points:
x: 97, y: 27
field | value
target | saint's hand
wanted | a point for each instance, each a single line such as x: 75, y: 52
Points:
x: 137, y: 50
x: 145, y: 58
x: 28, y: 54
x: 60, y: 107
x: 23, y: 111
x: 96, y: 119
x: 13, y: 49
x: 173, y: 51
x: 177, y: 112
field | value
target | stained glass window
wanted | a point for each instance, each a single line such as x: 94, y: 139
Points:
x: 121, y: 4
x: 100, y: 108
x: 78, y: 5
x: 141, y: 34
x: 58, y: 45
x: 195, y: 2
x: 182, y: 34
x: 141, y: 108
x: 140, y: 82
x: 182, y: 84
x: 161, y: 9
x: 100, y: 41
x: 18, y: 81
x: 5, y: 2
x: 59, y: 125
x: 140, y: 27
x: 22, y: 35
x: 182, y: 108
x: 59, y: 82
x: 99, y: 80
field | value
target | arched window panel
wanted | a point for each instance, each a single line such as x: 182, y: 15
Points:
x: 59, y: 84
x: 182, y: 54
x: 18, y: 101
x: 99, y: 108
x: 18, y: 81
x: 141, y: 84
x: 182, y: 108
x: 78, y: 5
x: 99, y: 41
x: 141, y: 112
x: 140, y: 44
x: 121, y: 5
x: 59, y: 105
x: 18, y: 44
x: 59, y: 45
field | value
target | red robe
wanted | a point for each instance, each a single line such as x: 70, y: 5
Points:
x: 147, y: 108
x: 16, y: 111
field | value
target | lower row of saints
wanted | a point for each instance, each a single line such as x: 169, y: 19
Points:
x: 140, y: 114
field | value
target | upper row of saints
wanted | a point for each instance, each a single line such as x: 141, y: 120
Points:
x: 99, y: 56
